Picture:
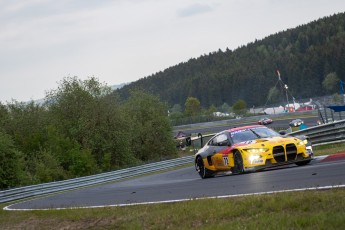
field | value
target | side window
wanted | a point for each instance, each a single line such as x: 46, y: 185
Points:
x: 221, y: 140
x: 212, y: 142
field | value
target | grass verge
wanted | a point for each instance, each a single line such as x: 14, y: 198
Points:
x: 329, y: 149
x: 292, y: 210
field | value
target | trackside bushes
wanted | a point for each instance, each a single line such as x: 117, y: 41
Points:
x: 11, y: 163
x: 83, y: 128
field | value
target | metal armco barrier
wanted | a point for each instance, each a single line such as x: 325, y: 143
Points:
x: 327, y: 133
x: 53, y: 187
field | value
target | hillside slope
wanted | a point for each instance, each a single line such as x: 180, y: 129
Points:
x: 303, y: 55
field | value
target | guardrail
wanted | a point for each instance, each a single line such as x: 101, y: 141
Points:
x: 58, y: 186
x: 326, y: 133
x: 331, y: 132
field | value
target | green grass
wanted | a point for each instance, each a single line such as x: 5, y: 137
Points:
x: 329, y: 149
x: 292, y: 210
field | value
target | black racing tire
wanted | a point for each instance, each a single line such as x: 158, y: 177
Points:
x: 238, y: 163
x: 302, y: 163
x: 200, y: 168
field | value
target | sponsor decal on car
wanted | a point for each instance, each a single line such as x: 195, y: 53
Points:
x: 257, y: 161
x: 226, y: 160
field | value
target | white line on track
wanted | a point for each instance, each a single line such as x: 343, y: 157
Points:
x: 183, y: 200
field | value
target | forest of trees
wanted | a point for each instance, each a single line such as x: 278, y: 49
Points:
x: 82, y: 129
x: 304, y: 56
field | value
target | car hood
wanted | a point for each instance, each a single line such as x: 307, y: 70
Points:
x: 269, y: 141
x: 258, y: 143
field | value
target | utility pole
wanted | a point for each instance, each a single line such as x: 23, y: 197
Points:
x: 342, y: 89
x: 286, y: 92
x: 284, y: 86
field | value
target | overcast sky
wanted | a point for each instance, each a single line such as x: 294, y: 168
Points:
x: 118, y: 41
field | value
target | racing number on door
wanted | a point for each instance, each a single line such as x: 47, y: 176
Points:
x: 225, y: 160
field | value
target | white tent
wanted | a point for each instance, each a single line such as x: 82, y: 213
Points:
x: 274, y: 110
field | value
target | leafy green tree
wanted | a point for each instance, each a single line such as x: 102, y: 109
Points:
x: 11, y: 163
x: 27, y: 126
x: 176, y: 116
x: 240, y: 107
x: 82, y: 162
x: 4, y: 116
x: 225, y: 107
x: 176, y: 109
x: 192, y: 107
x: 45, y: 168
x: 116, y: 133
x: 212, y: 109
x: 175, y: 112
x: 151, y: 130
x: 90, y: 119
x: 74, y: 106
x: 331, y: 82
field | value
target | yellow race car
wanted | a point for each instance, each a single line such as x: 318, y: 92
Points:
x: 248, y: 149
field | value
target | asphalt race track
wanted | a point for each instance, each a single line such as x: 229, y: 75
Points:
x: 185, y: 184
x: 283, y: 123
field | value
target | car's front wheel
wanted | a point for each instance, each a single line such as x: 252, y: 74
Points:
x: 200, y: 168
x: 302, y: 163
x: 238, y: 163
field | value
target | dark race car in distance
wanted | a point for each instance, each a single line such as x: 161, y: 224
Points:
x: 296, y: 122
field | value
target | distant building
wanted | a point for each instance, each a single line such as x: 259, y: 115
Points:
x: 275, y: 110
x: 220, y: 114
x: 305, y: 108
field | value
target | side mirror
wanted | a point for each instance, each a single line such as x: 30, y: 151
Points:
x: 282, y: 132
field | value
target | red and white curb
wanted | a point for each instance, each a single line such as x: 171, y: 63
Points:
x: 329, y: 158
x: 334, y: 157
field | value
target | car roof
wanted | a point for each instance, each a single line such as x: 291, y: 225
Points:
x: 244, y: 127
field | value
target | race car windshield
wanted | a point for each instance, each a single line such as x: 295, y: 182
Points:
x: 252, y: 134
x: 264, y: 132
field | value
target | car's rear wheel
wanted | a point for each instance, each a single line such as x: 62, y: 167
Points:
x: 200, y: 168
x: 238, y: 163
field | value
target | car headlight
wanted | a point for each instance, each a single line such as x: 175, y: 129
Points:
x: 257, y: 150
x: 304, y: 142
